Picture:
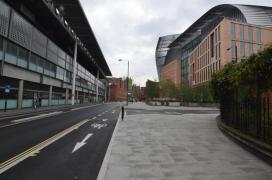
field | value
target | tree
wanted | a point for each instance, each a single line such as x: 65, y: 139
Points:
x: 152, y: 89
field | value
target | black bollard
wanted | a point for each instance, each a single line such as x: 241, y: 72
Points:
x: 123, y: 113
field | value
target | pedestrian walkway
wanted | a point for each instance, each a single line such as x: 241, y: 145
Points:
x: 179, y: 147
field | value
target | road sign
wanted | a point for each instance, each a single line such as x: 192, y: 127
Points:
x: 7, y: 88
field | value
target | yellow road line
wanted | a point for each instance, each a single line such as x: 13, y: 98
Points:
x: 38, y: 147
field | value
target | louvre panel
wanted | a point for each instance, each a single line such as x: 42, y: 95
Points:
x: 4, y: 18
x: 38, y: 44
x: 20, y: 31
x: 52, y: 52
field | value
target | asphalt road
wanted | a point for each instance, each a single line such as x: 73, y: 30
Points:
x: 68, y: 144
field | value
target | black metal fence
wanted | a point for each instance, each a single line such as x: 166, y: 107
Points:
x: 253, y: 118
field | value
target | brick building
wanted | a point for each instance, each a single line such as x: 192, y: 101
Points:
x: 226, y: 33
x: 117, y: 89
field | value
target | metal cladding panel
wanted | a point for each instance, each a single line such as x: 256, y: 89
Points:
x: 20, y: 31
x: 38, y: 44
x: 4, y: 19
x: 52, y: 52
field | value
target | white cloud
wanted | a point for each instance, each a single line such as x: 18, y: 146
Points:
x: 129, y: 29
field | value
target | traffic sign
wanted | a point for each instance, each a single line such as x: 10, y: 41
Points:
x: 7, y: 88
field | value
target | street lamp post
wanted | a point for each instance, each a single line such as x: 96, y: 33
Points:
x: 127, y: 76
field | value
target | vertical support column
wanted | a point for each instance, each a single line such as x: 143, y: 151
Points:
x: 74, y: 74
x: 20, y: 94
x: 50, y: 96
x: 97, y: 78
x: 66, y: 95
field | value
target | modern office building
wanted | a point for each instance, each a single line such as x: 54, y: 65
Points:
x: 49, y: 55
x: 162, y: 49
x: 226, y: 33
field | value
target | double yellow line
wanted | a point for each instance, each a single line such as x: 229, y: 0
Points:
x: 29, y: 152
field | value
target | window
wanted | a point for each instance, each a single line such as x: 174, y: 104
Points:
x: 242, y: 49
x: 233, y: 50
x: 46, y: 68
x: 219, y: 53
x: 33, y: 63
x: 233, y: 31
x: 52, y: 70
x: 250, y: 33
x: 258, y: 35
x: 250, y: 49
x: 219, y: 33
x: 40, y: 64
x: 241, y: 32
x: 60, y: 73
x: 1, y: 48
x: 212, y: 45
x: 215, y: 35
x: 11, y: 53
x: 22, y: 57
x: 258, y: 47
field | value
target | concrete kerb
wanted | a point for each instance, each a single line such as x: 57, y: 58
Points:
x: 257, y: 147
x: 104, y: 166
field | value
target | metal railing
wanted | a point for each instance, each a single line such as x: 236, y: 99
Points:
x: 253, y: 118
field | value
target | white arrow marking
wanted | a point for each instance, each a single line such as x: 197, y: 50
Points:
x: 104, y: 120
x: 82, y: 143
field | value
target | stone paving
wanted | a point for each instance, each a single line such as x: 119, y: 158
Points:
x: 179, y: 147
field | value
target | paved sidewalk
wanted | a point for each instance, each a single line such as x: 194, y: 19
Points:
x: 179, y: 147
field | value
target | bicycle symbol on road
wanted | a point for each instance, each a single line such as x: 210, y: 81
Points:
x: 98, y: 126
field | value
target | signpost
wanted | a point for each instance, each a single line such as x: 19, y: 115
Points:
x: 7, y: 90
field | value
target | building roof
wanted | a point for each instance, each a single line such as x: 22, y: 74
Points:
x: 64, y: 21
x: 75, y: 16
x: 258, y: 15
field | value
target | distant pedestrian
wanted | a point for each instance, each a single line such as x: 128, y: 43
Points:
x: 122, y: 113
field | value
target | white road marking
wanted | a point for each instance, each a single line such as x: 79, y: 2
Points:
x: 98, y: 126
x: 104, y: 120
x: 35, y: 149
x: 32, y: 118
x: 84, y: 107
x: 113, y: 112
x: 94, y: 118
x: 82, y: 143
x: 99, y: 115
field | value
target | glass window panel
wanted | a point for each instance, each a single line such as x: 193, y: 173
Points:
x: 250, y: 49
x: 22, y: 57
x: 46, y: 70
x: 33, y: 63
x: 233, y: 49
x: 11, y: 53
x: 233, y: 31
x: 52, y: 70
x: 258, y: 35
x: 242, y: 49
x: 250, y: 33
x: 241, y: 32
x: 40, y: 64
x: 1, y: 48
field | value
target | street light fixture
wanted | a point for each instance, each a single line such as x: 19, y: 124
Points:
x: 127, y: 75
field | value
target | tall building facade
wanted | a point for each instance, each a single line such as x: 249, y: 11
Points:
x: 118, y: 91
x: 226, y: 33
x: 48, y: 54
x: 162, y: 50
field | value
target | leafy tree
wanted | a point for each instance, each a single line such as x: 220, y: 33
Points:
x: 152, y: 89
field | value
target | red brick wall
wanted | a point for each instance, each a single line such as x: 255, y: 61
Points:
x: 172, y: 71
x: 117, y: 90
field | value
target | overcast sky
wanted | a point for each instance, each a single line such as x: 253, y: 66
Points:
x: 129, y: 29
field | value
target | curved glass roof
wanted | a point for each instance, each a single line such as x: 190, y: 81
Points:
x: 258, y: 15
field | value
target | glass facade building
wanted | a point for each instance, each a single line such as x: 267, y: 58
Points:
x: 43, y: 64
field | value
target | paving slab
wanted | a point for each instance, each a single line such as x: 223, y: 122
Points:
x: 182, y: 147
